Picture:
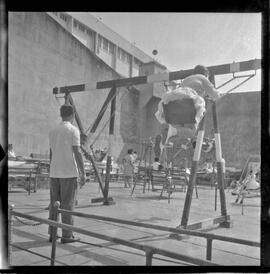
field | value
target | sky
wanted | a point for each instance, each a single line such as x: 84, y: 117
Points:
x: 184, y: 40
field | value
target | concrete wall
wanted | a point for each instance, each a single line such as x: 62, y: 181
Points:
x: 43, y: 55
x: 239, y: 117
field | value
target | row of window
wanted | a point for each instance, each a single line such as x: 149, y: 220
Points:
x: 82, y: 28
x: 103, y: 43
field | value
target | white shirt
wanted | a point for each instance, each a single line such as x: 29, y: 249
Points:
x: 61, y: 140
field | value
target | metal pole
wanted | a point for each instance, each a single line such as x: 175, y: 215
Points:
x: 54, y: 232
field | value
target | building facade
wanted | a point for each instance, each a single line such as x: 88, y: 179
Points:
x: 121, y: 55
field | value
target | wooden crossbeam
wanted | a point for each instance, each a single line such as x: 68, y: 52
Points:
x: 253, y: 64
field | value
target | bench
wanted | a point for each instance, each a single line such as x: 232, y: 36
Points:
x: 27, y: 175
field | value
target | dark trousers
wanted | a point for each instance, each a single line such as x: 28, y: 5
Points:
x: 63, y: 190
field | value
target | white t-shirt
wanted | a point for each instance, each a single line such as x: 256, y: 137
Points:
x: 61, y: 140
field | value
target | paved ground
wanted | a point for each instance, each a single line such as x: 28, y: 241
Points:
x: 146, y: 208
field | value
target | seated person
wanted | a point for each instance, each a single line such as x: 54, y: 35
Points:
x: 156, y: 165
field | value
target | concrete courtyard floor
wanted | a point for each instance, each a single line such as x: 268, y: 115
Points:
x: 144, y: 208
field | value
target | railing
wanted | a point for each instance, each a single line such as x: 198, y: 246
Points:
x: 209, y: 237
x: 149, y: 250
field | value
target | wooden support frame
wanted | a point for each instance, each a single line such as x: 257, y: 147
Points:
x: 234, y: 67
x: 104, y: 188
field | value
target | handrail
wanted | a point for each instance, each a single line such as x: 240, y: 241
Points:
x: 164, y: 228
x: 149, y: 250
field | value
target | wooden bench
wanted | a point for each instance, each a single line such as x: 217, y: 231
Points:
x: 28, y: 176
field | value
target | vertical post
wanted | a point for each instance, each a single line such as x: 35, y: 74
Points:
x: 209, y: 249
x: 149, y: 256
x: 55, y: 207
x: 69, y: 99
x: 29, y: 182
x: 220, y: 174
x: 219, y: 164
x: 10, y: 223
x: 193, y: 175
x: 109, y: 156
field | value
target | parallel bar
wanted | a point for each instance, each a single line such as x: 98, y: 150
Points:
x: 135, y: 245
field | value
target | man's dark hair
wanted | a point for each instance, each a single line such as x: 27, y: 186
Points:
x: 130, y: 151
x: 199, y: 69
x: 66, y: 110
x: 156, y: 159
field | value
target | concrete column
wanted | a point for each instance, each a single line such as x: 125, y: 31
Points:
x: 96, y: 43
x: 114, y: 58
x: 131, y: 65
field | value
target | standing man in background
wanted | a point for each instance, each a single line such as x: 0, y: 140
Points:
x: 66, y: 165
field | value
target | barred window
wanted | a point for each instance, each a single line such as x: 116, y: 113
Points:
x: 63, y: 17
x: 75, y: 24
x: 111, y: 47
x: 105, y: 44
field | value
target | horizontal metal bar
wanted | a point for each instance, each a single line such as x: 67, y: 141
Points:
x: 116, y: 240
x: 177, y: 75
x: 163, y: 228
x: 33, y: 252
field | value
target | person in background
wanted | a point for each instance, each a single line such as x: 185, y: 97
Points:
x: 11, y: 152
x: 156, y: 164
x: 128, y: 167
x: 66, y: 165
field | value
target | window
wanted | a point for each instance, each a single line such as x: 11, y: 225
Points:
x: 75, y: 23
x: 63, y: 17
x: 123, y: 56
x: 111, y: 47
x: 105, y: 44
x: 81, y: 27
x: 137, y: 62
x: 89, y: 32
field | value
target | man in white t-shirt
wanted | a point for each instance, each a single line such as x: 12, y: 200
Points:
x: 66, y: 165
